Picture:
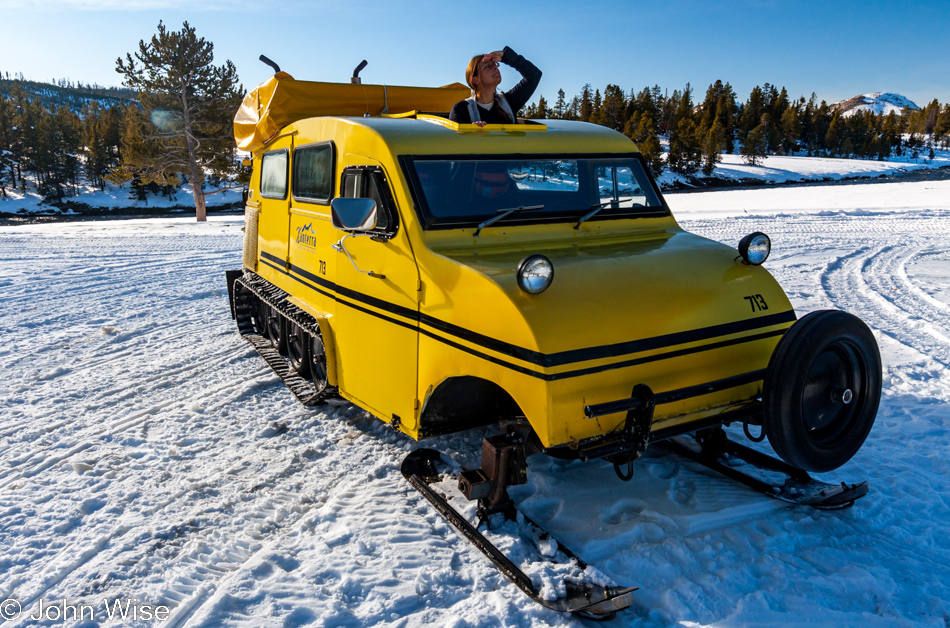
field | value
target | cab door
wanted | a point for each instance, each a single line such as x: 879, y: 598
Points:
x: 274, y: 219
x: 376, y: 323
x: 312, y: 258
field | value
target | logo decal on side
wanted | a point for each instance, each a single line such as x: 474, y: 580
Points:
x: 306, y: 237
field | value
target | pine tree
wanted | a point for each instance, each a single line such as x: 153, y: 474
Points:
x: 931, y: 113
x: 560, y: 106
x: 667, y: 106
x: 712, y: 147
x: 789, y: 124
x: 943, y: 125
x: 645, y: 137
x: 7, y: 171
x: 573, y: 111
x: 755, y: 147
x: 890, y: 136
x: 685, y: 148
x: 587, y: 104
x: 834, y: 136
x: 752, y: 111
x: 101, y: 141
x: 542, y: 108
x: 727, y: 110
x: 193, y: 102
x: 596, y: 112
x: 613, y: 108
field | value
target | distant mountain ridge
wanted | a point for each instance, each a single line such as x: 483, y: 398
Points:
x: 877, y: 102
x: 73, y: 97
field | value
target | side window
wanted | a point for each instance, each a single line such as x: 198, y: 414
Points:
x: 313, y: 173
x: 371, y: 183
x: 274, y: 175
x: 622, y: 185
x: 371, y: 190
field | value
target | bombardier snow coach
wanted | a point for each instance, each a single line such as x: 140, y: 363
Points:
x: 448, y: 276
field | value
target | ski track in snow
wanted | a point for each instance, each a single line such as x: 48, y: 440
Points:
x: 148, y: 453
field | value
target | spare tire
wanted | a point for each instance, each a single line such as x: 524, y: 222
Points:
x: 822, y: 390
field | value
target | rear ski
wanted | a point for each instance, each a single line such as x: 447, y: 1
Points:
x: 731, y: 459
x: 585, y: 598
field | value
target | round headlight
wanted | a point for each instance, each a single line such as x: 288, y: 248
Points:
x: 755, y: 248
x: 535, y: 273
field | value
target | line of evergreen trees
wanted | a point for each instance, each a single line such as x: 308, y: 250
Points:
x: 177, y: 129
x: 57, y: 149
x: 767, y: 123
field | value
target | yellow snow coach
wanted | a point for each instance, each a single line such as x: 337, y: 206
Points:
x: 448, y: 276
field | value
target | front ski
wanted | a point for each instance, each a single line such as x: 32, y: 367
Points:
x: 585, y: 599
x: 729, y: 458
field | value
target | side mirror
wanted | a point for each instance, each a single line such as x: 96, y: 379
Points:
x: 353, y: 214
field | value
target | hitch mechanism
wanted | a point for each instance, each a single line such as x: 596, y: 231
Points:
x: 636, y: 432
x: 626, y: 445
x: 504, y: 464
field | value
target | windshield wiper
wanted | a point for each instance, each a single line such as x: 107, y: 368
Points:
x: 502, y: 213
x: 597, y: 208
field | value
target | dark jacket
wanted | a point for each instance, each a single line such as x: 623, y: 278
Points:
x: 517, y: 96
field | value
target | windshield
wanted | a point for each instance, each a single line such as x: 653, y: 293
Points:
x: 461, y: 192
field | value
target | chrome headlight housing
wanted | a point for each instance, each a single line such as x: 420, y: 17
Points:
x: 535, y: 273
x: 755, y: 248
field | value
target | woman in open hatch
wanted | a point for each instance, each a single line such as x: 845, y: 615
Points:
x: 486, y: 106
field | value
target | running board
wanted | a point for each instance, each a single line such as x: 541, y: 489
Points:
x: 720, y: 454
x: 588, y: 600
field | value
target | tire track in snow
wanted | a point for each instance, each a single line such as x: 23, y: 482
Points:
x: 869, y: 282
x: 205, y: 560
x: 42, y: 461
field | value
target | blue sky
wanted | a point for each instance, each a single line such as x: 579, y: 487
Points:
x: 835, y: 49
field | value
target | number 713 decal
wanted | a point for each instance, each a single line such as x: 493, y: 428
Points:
x: 757, y: 302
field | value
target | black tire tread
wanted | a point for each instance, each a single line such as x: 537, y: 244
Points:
x: 807, y: 336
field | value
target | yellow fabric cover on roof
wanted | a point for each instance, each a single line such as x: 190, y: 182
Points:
x: 280, y: 100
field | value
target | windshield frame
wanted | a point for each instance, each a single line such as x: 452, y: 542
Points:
x: 430, y: 222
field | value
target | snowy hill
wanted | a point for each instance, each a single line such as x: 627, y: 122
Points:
x: 75, y: 97
x: 878, y: 102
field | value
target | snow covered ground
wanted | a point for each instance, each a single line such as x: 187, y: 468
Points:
x: 148, y: 453
x: 793, y: 169
x: 113, y: 197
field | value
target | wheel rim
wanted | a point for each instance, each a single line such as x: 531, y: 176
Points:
x: 273, y: 325
x: 318, y: 363
x: 833, y: 393
x: 260, y: 318
x: 297, y: 349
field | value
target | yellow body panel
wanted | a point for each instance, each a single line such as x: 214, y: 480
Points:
x: 633, y: 300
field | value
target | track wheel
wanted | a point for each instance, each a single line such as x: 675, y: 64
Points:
x: 258, y: 314
x: 276, y: 329
x: 318, y: 362
x: 298, y: 349
x: 822, y: 390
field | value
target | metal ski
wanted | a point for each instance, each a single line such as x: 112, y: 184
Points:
x: 720, y: 454
x: 587, y: 600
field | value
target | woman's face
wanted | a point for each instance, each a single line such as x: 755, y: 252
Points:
x: 489, y: 76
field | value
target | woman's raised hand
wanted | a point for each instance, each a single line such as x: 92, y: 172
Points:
x: 494, y: 57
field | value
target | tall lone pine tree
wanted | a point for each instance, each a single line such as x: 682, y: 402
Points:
x: 190, y: 104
